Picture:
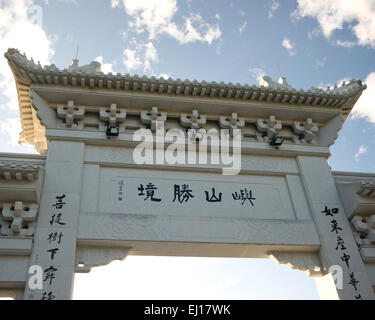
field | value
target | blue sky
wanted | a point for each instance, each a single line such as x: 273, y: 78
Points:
x: 311, y: 42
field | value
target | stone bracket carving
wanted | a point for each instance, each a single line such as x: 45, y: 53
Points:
x: 18, y: 219
x: 367, y: 189
x: 113, y: 116
x: 70, y: 113
x: 364, y: 235
x: 193, y: 121
x: 308, y: 129
x: 270, y: 126
x: 365, y: 230
x: 231, y: 123
x: 358, y: 197
x: 368, y: 253
x: 305, y: 261
x: 91, y: 256
x: 150, y: 118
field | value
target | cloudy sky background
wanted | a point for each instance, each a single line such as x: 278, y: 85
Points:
x: 311, y: 42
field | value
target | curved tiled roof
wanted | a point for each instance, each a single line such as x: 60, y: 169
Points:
x: 27, y: 72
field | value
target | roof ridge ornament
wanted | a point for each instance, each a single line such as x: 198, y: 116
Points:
x: 29, y: 67
x: 267, y: 81
x: 93, y: 67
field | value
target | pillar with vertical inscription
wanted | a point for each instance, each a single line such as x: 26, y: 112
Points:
x: 55, y: 238
x: 339, y: 251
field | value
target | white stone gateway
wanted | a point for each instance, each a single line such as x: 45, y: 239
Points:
x: 84, y: 201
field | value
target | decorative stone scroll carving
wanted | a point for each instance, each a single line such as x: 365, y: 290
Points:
x: 113, y: 116
x: 308, y: 129
x: 19, y: 171
x: 18, y: 219
x: 70, y: 113
x: 270, y: 126
x: 305, y: 261
x: 90, y: 256
x: 193, y: 121
x: 150, y: 118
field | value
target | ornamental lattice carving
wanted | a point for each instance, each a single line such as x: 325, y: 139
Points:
x: 271, y: 126
x: 364, y: 230
x: 232, y: 122
x: 18, y: 219
x: 71, y: 114
x: 113, y: 116
x: 308, y: 129
x: 151, y: 118
x: 193, y: 121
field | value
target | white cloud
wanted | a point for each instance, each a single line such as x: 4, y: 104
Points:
x: 314, y: 33
x: 151, y: 55
x: 66, y: 1
x: 115, y: 3
x: 20, y: 27
x: 330, y: 86
x: 320, y: 63
x: 274, y: 6
x: 345, y: 44
x: 332, y: 15
x: 140, y: 56
x: 242, y: 28
x: 365, y: 106
x: 217, y: 16
x: 132, y: 59
x: 105, y: 67
x: 257, y: 73
x: 362, y: 150
x: 17, y: 31
x: 156, y: 18
x: 242, y: 13
x: 289, y: 46
x: 219, y: 46
x: 10, y: 127
x: 195, y: 29
x: 164, y: 75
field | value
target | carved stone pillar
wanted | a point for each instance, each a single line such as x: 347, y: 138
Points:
x: 338, y: 247
x: 55, y: 236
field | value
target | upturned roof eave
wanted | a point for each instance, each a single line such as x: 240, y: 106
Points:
x: 28, y: 72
